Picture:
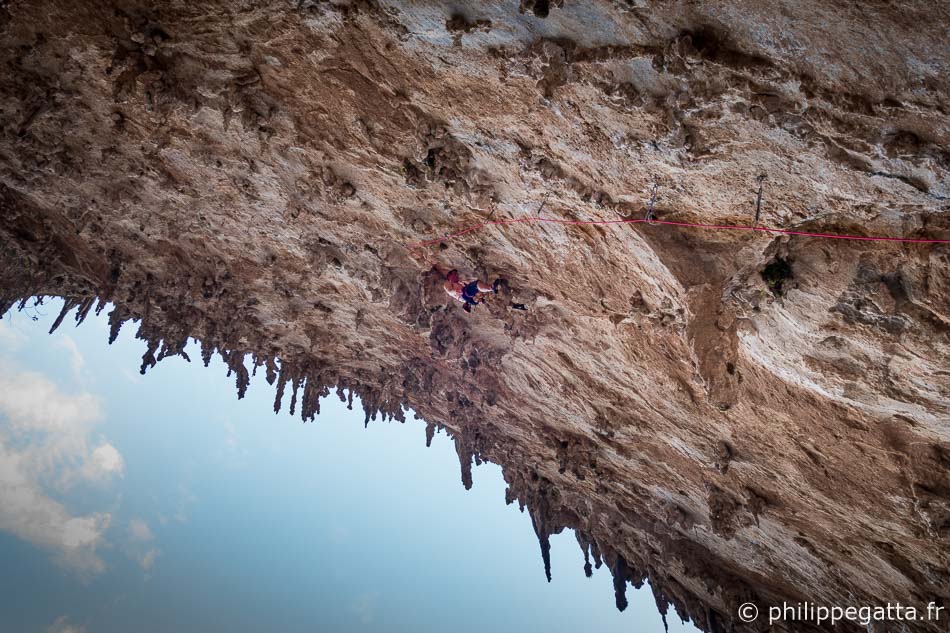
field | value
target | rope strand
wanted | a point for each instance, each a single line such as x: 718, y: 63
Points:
x: 718, y: 227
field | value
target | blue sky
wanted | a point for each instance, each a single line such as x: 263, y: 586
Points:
x: 162, y: 503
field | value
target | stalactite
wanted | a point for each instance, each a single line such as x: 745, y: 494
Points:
x: 148, y: 358
x: 584, y: 543
x: 370, y: 399
x: 174, y: 347
x: 620, y: 572
x: 636, y: 577
x: 207, y: 349
x: 84, y: 309
x: 465, y: 459
x: 271, y: 370
x: 68, y: 305
x: 281, y: 383
x: 116, y: 319
x: 595, y: 554
x: 242, y: 379
x: 310, y: 402
x: 430, y: 433
x: 322, y: 391
x: 662, y: 604
x: 539, y: 522
x: 516, y: 482
x: 295, y: 385
x: 682, y: 610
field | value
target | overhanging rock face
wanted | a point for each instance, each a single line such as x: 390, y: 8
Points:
x: 735, y: 416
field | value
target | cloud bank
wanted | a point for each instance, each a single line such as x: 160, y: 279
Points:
x: 46, y: 443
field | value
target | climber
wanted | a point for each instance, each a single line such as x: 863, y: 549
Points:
x: 468, y: 292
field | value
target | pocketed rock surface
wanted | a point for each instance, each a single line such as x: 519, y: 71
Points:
x: 734, y: 416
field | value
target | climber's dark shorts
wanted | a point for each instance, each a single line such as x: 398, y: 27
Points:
x: 469, y: 291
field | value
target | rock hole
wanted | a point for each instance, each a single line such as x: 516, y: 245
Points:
x: 775, y: 274
x: 706, y: 42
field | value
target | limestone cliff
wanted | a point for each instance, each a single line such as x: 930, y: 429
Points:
x: 734, y: 416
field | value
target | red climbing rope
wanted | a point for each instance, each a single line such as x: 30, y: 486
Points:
x: 719, y: 227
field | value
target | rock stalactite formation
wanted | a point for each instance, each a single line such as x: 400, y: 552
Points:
x: 733, y: 417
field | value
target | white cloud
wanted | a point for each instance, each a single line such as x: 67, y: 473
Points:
x: 62, y: 625
x: 140, y: 530
x: 140, y: 548
x: 27, y: 512
x: 147, y: 560
x: 44, y: 441
x: 31, y: 402
x: 104, y: 462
